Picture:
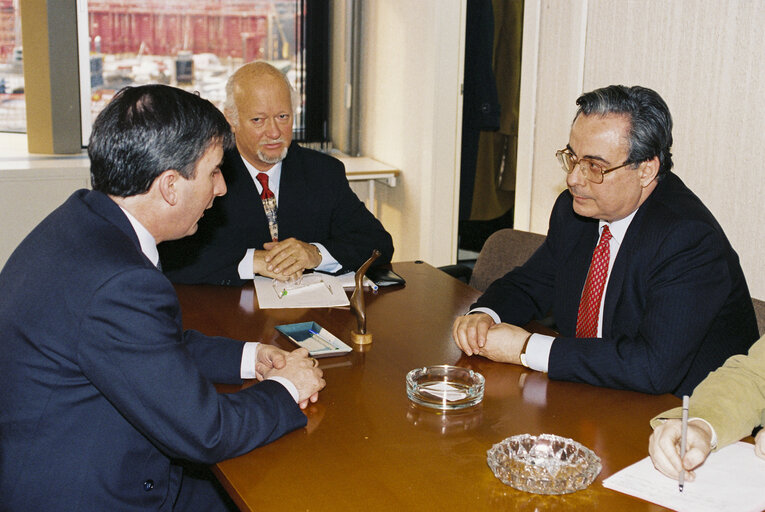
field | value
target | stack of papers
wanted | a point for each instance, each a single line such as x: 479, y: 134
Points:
x: 731, y: 479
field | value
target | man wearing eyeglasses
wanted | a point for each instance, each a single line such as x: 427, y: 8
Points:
x: 646, y: 291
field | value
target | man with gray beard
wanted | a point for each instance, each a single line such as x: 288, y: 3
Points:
x: 288, y: 209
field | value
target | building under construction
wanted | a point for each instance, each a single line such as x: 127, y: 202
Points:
x: 239, y: 29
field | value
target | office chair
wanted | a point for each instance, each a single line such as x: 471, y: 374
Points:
x: 759, y: 312
x: 503, y: 251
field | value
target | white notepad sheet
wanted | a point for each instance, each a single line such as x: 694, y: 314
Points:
x: 732, y: 479
x: 319, y: 291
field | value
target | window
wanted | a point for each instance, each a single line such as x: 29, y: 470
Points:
x: 12, y: 106
x: 194, y: 45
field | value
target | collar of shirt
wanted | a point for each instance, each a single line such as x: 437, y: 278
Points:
x: 618, y: 229
x: 274, y: 176
x: 148, y: 244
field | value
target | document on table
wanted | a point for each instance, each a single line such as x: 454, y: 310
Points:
x: 315, y: 291
x: 732, y: 479
x: 348, y: 280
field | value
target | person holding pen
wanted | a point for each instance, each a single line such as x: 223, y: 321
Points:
x: 724, y: 407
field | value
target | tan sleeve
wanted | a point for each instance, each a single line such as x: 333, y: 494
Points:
x: 732, y: 398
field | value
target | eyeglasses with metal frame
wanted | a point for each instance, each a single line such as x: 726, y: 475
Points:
x: 591, y: 170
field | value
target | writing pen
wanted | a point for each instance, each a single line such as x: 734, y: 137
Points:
x: 371, y: 284
x: 321, y: 338
x: 683, y: 440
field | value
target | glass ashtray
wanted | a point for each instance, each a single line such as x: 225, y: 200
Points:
x: 444, y: 387
x: 544, y: 464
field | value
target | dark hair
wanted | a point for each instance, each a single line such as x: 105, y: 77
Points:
x: 650, y: 121
x: 147, y: 130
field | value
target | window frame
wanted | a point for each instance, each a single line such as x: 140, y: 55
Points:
x: 315, y: 57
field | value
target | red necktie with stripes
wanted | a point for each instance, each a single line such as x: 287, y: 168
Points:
x: 269, y: 205
x: 589, y: 305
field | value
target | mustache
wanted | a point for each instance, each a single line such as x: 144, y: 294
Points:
x: 275, y: 141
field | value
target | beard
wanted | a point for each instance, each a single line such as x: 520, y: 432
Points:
x: 272, y: 159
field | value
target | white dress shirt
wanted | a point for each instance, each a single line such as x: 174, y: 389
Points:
x: 539, y: 346
x: 328, y: 262
x: 250, y: 350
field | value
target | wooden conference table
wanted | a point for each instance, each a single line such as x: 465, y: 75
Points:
x: 367, y: 447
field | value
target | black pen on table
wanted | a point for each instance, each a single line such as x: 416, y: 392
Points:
x: 683, y: 440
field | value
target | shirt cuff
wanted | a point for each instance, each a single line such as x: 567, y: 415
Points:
x: 494, y: 316
x: 245, y: 267
x: 538, y: 352
x: 287, y: 384
x: 247, y: 369
x: 328, y: 263
x: 249, y: 357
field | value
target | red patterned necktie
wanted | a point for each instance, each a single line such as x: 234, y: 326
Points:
x: 269, y: 205
x: 263, y: 179
x: 589, y: 305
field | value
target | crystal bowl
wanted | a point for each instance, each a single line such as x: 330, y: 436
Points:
x: 544, y: 464
x: 444, y: 387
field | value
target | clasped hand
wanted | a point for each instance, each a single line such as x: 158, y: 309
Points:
x: 286, y: 259
x: 295, y: 366
x: 478, y: 334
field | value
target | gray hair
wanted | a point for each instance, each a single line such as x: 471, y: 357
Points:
x: 650, y: 121
x: 257, y: 69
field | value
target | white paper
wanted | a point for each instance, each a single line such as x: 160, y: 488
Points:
x: 732, y: 479
x: 348, y: 280
x: 322, y: 296
x: 443, y: 391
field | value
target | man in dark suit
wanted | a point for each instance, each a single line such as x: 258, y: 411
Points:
x: 106, y: 403
x: 319, y: 222
x: 646, y: 291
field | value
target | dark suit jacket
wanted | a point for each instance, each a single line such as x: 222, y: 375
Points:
x: 101, y: 388
x: 677, y: 305
x: 316, y: 204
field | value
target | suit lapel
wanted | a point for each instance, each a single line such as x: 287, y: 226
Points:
x: 576, y: 267
x: 294, y: 196
x: 244, y: 194
x: 624, y: 261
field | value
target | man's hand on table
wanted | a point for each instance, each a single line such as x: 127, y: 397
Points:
x: 291, y: 257
x: 260, y: 267
x: 269, y: 357
x: 469, y: 332
x: 478, y: 334
x: 504, y: 343
x: 302, y: 371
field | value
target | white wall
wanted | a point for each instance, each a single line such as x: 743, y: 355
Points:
x: 705, y: 57
x: 32, y: 186
x: 412, y: 62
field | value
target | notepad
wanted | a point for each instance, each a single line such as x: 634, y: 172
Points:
x: 732, y: 479
x: 315, y: 291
